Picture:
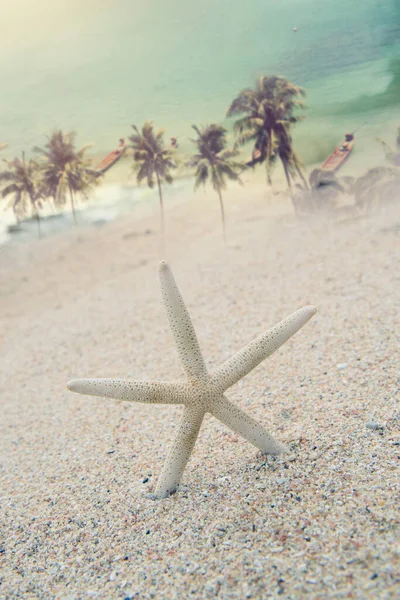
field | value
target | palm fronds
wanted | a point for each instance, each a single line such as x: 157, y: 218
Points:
x: 214, y: 161
x: 268, y: 118
x: 24, y: 187
x: 153, y: 161
x: 66, y: 170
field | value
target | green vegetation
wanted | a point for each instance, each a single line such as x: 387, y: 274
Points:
x: 24, y: 184
x: 153, y: 161
x: 267, y: 123
x: 267, y: 115
x: 65, y: 169
x: 214, y: 161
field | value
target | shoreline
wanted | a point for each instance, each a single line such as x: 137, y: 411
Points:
x: 119, y: 195
x: 78, y: 473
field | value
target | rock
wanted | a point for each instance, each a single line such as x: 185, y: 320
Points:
x: 260, y: 486
x: 373, y: 425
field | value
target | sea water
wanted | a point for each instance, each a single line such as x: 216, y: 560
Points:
x: 98, y: 66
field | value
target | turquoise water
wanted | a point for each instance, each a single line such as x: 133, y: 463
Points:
x: 100, y: 68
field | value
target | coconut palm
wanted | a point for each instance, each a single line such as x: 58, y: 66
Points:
x: 66, y: 170
x: 25, y: 186
x: 267, y: 122
x: 153, y: 160
x: 214, y: 161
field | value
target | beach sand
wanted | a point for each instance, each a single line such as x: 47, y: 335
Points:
x: 320, y: 522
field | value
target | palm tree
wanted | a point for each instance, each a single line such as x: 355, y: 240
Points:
x: 65, y: 169
x: 25, y: 186
x: 153, y: 161
x: 267, y: 122
x: 213, y: 160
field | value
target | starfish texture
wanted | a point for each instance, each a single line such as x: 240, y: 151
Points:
x: 202, y: 392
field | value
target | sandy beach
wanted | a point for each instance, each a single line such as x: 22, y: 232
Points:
x: 321, y: 522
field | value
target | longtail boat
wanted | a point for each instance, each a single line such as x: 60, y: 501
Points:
x: 257, y: 156
x: 340, y: 155
x: 111, y: 158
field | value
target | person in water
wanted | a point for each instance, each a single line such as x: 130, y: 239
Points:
x: 174, y: 142
x: 349, y: 137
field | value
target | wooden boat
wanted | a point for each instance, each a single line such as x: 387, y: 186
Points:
x: 340, y: 155
x: 111, y: 158
x: 256, y: 157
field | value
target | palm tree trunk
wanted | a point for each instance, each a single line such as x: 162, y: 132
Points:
x: 38, y: 223
x: 222, y: 212
x: 268, y: 160
x: 161, y: 204
x: 294, y: 203
x: 287, y: 174
x: 72, y: 203
x: 35, y: 213
x: 300, y: 174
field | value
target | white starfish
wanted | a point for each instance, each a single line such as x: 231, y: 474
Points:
x: 202, y: 392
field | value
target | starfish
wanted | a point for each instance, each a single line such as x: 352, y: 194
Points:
x: 202, y: 391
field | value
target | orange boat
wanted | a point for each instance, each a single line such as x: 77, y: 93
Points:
x: 111, y: 158
x: 340, y: 155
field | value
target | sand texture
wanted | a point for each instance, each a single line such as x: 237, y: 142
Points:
x: 320, y: 522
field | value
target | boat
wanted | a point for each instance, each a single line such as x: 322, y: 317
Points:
x: 339, y: 155
x: 256, y: 157
x: 111, y: 158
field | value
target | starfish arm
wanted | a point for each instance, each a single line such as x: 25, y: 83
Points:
x: 242, y: 424
x: 181, y: 326
x: 239, y: 365
x: 179, y: 452
x: 159, y: 392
